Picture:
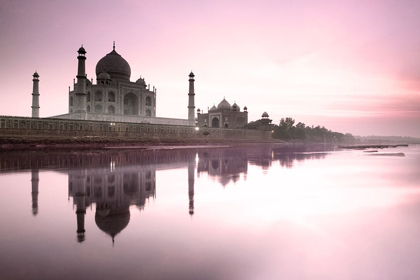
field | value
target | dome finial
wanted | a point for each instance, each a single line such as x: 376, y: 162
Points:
x: 113, y: 46
x: 82, y: 50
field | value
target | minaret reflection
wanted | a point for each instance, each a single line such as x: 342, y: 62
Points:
x: 35, y: 185
x: 113, y: 190
x: 77, y: 187
x: 191, y: 168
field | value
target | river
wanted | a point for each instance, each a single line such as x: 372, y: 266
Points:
x: 285, y: 212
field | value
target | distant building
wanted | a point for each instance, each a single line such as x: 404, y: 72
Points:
x: 262, y: 124
x: 224, y: 115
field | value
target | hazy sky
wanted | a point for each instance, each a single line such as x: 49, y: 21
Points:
x: 352, y: 66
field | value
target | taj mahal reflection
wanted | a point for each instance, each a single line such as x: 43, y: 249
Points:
x: 113, y: 192
x: 122, y: 181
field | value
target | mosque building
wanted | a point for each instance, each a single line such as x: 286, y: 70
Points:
x: 224, y: 115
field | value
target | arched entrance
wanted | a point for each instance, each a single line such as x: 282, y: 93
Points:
x: 226, y: 125
x: 131, y: 104
x: 215, y: 122
x: 98, y: 109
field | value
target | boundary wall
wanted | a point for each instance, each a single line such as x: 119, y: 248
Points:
x: 124, y: 119
x: 50, y: 127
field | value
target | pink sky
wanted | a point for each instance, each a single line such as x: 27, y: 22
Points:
x: 352, y: 66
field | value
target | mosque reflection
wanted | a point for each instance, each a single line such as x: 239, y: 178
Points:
x: 115, y: 181
x: 224, y: 165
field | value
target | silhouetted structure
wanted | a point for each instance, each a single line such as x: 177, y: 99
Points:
x: 35, y: 96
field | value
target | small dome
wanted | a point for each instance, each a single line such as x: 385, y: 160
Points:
x: 82, y: 50
x: 224, y: 105
x: 213, y: 108
x: 141, y: 81
x: 115, y: 65
x: 35, y: 75
x: 192, y: 75
x: 245, y: 108
x: 265, y: 115
x: 235, y: 107
x: 198, y: 110
x: 104, y: 76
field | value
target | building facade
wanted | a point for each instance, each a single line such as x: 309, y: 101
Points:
x: 114, y: 97
x: 115, y: 106
x: 224, y: 115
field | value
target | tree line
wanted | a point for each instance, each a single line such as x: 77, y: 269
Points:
x: 287, y: 130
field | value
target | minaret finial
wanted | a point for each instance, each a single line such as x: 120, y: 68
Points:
x: 113, y: 46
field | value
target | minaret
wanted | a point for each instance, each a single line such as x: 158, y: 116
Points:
x: 35, y: 182
x: 80, y: 94
x: 191, y: 94
x: 191, y: 187
x: 35, y: 96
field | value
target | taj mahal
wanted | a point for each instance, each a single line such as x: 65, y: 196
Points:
x: 115, y: 98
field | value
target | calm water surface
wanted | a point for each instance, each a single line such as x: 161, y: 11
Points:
x: 266, y: 213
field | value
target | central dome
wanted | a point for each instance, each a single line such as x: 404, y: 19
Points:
x: 112, y: 222
x: 115, y: 65
x: 224, y: 105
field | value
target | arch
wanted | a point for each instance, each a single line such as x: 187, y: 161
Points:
x: 148, y: 113
x: 111, y: 191
x: 226, y: 125
x: 88, y: 109
x: 130, y: 184
x: 131, y: 104
x: 98, y: 96
x: 111, y: 96
x: 215, y: 122
x: 88, y: 97
x: 148, y: 186
x: 98, y: 108
x: 148, y: 101
x: 215, y: 164
x: 111, y: 110
x: 71, y: 101
x: 97, y: 191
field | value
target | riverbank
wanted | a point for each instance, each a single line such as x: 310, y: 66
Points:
x: 102, y: 142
